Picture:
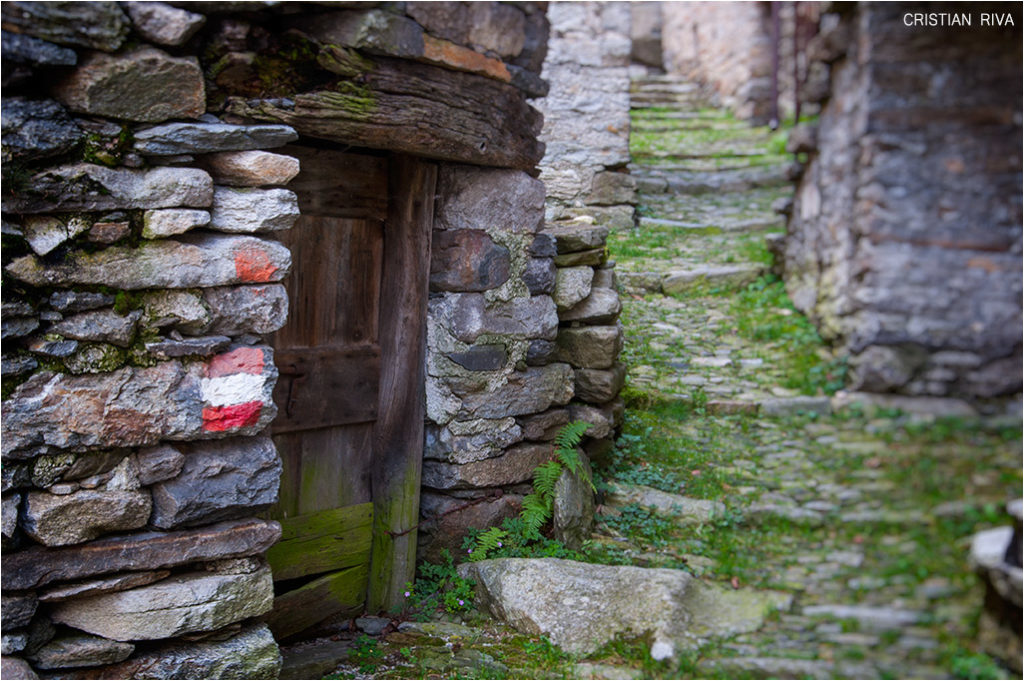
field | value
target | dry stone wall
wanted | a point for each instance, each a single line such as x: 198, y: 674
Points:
x: 904, y: 242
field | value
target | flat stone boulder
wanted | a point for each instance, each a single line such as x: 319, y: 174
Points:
x: 719, y: 276
x: 184, y: 311
x: 468, y: 317
x: 602, y: 306
x: 686, y: 509
x: 99, y: 325
x: 173, y: 139
x: 253, y: 210
x: 599, y: 385
x: 514, y: 466
x: 111, y: 85
x: 590, y: 347
x: 193, y: 261
x: 572, y: 285
x: 246, y: 309
x: 79, y: 301
x: 194, y: 601
x: 24, y: 49
x: 162, y: 24
x: 444, y: 445
x: 219, y: 480
x: 34, y: 129
x: 170, y: 221
x: 580, y: 606
x: 90, y: 187
x: 251, y: 168
x: 785, y: 406
x: 94, y: 587
x: 525, y: 392
x: 45, y: 233
x: 577, y: 236
x: 80, y: 650
x: 37, y: 566
x: 250, y: 654
x: 97, y: 25
x: 202, y: 346
x: 486, y: 198
x: 62, y: 519
x: 467, y: 260
x: 229, y: 394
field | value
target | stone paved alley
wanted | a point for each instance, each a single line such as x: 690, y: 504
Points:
x: 739, y: 462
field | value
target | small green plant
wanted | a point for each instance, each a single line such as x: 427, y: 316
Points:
x: 438, y: 585
x: 965, y: 664
x: 640, y: 523
x: 367, y: 653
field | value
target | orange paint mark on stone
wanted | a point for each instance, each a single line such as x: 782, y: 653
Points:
x: 984, y: 263
x: 219, y: 419
x: 238, y: 361
x: 464, y: 59
x: 253, y: 264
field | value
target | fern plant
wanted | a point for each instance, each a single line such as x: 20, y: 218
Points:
x: 538, y: 505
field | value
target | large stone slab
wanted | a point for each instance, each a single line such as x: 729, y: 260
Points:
x: 109, y: 85
x: 590, y: 347
x: 602, y: 306
x: 484, y: 198
x: 62, y: 519
x: 686, y: 509
x: 469, y: 317
x: 192, y: 261
x: 487, y: 26
x: 170, y: 221
x: 97, y: 25
x: 488, y: 438
x: 246, y: 309
x: 35, y: 567
x: 34, y: 129
x: 195, y: 601
x: 577, y: 236
x: 581, y: 606
x: 172, y: 139
x: 230, y: 394
x: 467, y: 260
x: 514, y: 466
x: 93, y: 587
x: 250, y: 654
x: 99, y: 325
x: 253, y: 210
x: 719, y: 276
x: 162, y: 24
x: 251, y: 168
x: 219, y: 480
x: 86, y: 186
x: 525, y: 392
x: 80, y: 650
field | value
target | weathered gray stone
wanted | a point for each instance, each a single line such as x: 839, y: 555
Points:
x: 219, y: 480
x: 85, y: 186
x: 59, y: 520
x: 572, y: 285
x: 80, y: 650
x: 599, y: 385
x: 230, y: 394
x: 484, y: 198
x: 572, y: 511
x: 13, y: 642
x: 109, y: 85
x: 16, y: 365
x: 514, y: 466
x: 99, y: 25
x: 23, y: 49
x: 39, y: 566
x: 203, y: 346
x: 45, y: 233
x: 686, y: 510
x: 540, y: 352
x: 171, y: 221
x: 543, y: 246
x: 172, y: 139
x: 543, y: 426
x: 486, y: 26
x: 581, y: 606
x: 100, y: 325
x: 17, y: 609
x: 467, y: 260
x: 57, y: 349
x: 17, y: 327
x: 49, y: 470
x: 601, y: 419
x: 195, y: 601
x: 16, y: 668
x: 783, y: 406
x: 468, y: 317
x: 108, y: 232
x: 181, y: 310
x: 374, y: 31
x: 76, y: 301
x: 590, y: 347
x: 488, y: 440
x: 162, y: 24
x: 159, y: 463
x: 34, y: 129
x: 612, y: 188
x: 733, y: 276
x: 446, y: 519
x: 525, y: 392
x: 246, y: 309
x: 577, y: 236
x: 194, y: 260
x: 11, y: 503
x: 250, y: 654
x: 602, y: 306
x: 95, y: 358
x: 251, y: 168
x: 40, y: 632
x: 373, y: 626
x: 94, y: 587
x: 253, y: 210
x: 593, y: 257
x: 539, y: 276
x: 481, y: 358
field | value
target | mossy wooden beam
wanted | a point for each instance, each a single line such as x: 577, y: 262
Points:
x: 412, y: 108
x: 339, y: 593
x: 324, y: 541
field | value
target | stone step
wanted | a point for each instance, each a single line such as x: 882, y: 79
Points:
x: 731, y: 276
x: 703, y: 182
x: 746, y: 226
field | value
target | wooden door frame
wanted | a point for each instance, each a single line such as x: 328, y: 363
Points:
x: 398, y: 431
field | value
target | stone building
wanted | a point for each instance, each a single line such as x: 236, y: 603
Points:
x: 904, y: 242
x: 269, y: 268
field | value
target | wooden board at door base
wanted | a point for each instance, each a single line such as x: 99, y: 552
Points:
x: 350, y: 395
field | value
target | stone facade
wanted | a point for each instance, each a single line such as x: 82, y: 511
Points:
x: 904, y: 242
x: 142, y: 278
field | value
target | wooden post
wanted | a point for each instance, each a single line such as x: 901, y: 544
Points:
x: 398, y: 432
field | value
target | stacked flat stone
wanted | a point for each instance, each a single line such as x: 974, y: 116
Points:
x: 140, y: 277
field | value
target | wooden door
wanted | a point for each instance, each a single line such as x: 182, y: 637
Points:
x: 335, y: 430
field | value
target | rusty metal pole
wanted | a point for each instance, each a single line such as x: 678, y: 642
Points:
x: 773, y: 123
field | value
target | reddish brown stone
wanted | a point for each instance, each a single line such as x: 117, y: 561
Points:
x: 467, y: 260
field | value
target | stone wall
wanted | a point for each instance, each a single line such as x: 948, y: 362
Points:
x: 141, y: 278
x: 904, y: 242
